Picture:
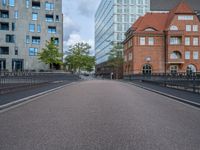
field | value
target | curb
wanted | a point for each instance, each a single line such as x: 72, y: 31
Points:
x: 25, y: 100
x: 167, y: 95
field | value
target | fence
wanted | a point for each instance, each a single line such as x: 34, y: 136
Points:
x: 182, y: 81
x: 12, y: 81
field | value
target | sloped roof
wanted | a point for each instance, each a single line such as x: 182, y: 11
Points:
x: 160, y: 21
x: 164, y: 5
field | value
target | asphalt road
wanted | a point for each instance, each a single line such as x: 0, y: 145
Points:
x: 101, y: 115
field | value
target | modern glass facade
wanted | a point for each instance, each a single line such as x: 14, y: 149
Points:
x: 112, y: 19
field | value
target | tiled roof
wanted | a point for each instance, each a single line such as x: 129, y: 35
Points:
x: 164, y: 5
x: 160, y: 21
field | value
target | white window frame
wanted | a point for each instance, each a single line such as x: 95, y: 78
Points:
x: 187, y: 55
x: 195, y: 28
x: 195, y: 41
x: 195, y: 55
x: 188, y: 28
x: 142, y: 41
x: 187, y: 41
x: 151, y: 40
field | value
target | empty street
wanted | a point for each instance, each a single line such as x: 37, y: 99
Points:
x: 101, y: 115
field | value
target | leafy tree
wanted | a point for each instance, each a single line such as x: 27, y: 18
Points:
x: 115, y: 59
x: 78, y: 57
x: 50, y: 54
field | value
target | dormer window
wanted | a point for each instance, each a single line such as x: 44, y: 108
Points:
x: 174, y: 28
x: 149, y: 29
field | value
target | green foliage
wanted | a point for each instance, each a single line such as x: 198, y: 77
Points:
x: 115, y: 58
x: 50, y: 54
x: 79, y: 59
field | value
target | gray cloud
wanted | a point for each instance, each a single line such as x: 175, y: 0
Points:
x: 69, y: 27
x: 87, y: 7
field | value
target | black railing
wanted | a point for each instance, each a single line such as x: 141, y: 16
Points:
x: 182, y: 81
x: 12, y: 81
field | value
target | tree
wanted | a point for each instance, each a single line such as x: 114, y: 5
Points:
x: 115, y: 59
x: 50, y: 54
x: 79, y: 59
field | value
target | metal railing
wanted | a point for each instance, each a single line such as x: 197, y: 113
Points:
x: 182, y: 81
x: 12, y: 81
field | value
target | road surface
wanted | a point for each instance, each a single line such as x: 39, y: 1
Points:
x: 101, y: 115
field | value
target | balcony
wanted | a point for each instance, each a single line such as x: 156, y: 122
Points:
x: 175, y: 58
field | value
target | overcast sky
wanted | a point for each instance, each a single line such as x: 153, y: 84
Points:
x: 79, y: 21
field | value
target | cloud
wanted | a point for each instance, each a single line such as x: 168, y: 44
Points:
x: 69, y: 27
x: 87, y: 7
x: 75, y: 38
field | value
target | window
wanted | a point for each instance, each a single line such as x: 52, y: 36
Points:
x: 130, y: 56
x: 174, y: 28
x: 13, y: 26
x: 175, y: 55
x: 16, y: 14
x: 16, y: 50
x: 151, y: 41
x: 35, y: 4
x: 51, y: 29
x: 142, y: 40
x: 195, y: 55
x: 195, y: 41
x: 119, y: 18
x: 195, y: 28
x: 140, y: 2
x: 119, y: 1
x: 188, y: 28
x: 119, y: 27
x: 11, y: 2
x: 49, y: 18
x: 27, y: 3
x: 191, y: 69
x: 130, y: 43
x: 125, y: 58
x: 175, y: 40
x: 33, y: 51
x: 140, y: 10
x: 4, y: 14
x: 187, y: 41
x: 185, y: 17
x: 10, y: 38
x: 57, y: 18
x: 34, y: 16
x: 4, y: 50
x: 56, y: 40
x: 146, y: 70
x: 27, y: 39
x: 187, y: 55
x: 31, y: 27
x: 4, y: 26
x: 38, y: 28
x: 35, y: 40
x: 4, y: 2
x: 2, y: 64
x: 174, y: 69
x: 126, y: 18
x: 49, y: 6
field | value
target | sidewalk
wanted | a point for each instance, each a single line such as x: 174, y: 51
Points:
x: 15, y: 96
x: 183, y: 96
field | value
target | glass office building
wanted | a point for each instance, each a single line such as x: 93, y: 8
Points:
x: 112, y: 19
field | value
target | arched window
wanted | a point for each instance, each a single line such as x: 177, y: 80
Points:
x: 149, y: 29
x: 191, y: 69
x: 174, y: 28
x: 175, y: 55
x: 147, y: 69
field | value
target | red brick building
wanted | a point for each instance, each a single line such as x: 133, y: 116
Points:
x: 163, y: 43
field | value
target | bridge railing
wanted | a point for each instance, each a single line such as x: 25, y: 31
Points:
x: 182, y: 81
x: 11, y: 81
